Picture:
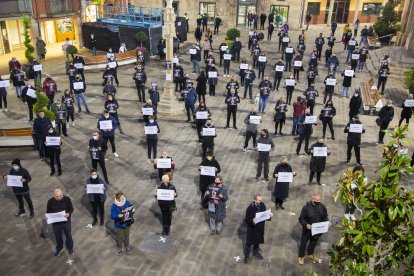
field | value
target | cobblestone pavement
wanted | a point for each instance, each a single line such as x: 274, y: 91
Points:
x: 190, y: 250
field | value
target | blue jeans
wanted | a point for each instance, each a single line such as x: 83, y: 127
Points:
x: 295, y: 123
x: 18, y: 91
x: 64, y: 227
x: 196, y: 66
x: 345, y: 91
x: 263, y: 102
x: 349, y: 55
x: 363, y: 39
x: 361, y: 65
x: 94, y: 51
x: 78, y: 97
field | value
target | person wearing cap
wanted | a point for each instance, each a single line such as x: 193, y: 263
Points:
x: 29, y: 100
x: 111, y: 104
x: 40, y: 129
x: 61, y: 203
x: 264, y: 155
x: 311, y: 94
x: 80, y: 94
x: 60, y: 111
x: 50, y: 88
x: 255, y: 230
x: 347, y: 83
x: 80, y: 63
x: 53, y: 152
x: 140, y: 78
x: 108, y: 133
x: 152, y: 139
x: 97, y: 200
x: 20, y: 192
x: 216, y: 197
x: 281, y: 190
x: 122, y: 214
x: 317, y: 163
x: 354, y: 140
x: 97, y: 149
x: 166, y: 206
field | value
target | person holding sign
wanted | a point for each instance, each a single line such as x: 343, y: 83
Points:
x: 407, y: 110
x: 79, y: 87
x: 209, y: 133
x: 326, y: 116
x: 29, y: 97
x: 107, y: 125
x: 330, y: 83
x: 226, y: 63
x: 319, y: 152
x: 311, y: 94
x: 383, y: 74
x: 264, y: 146
x: 178, y: 75
x: 108, y: 76
x: 232, y: 100
x: 355, y: 58
x: 79, y: 63
x: 290, y: 87
x: 351, y: 48
x: 148, y: 110
x: 56, y: 204
x: 50, y: 88
x: 255, y: 52
x: 19, y: 179
x: 196, y: 57
x: 113, y: 67
x: 354, y: 139
x: 17, y: 77
x: 252, y: 121
x: 97, y: 149
x: 363, y: 58
x: 95, y: 189
x: 348, y: 74
x: 68, y: 100
x: 255, y: 231
x: 297, y: 66
x: 283, y: 173
x: 222, y: 50
x: 212, y: 79
x: 40, y: 127
x: 289, y: 53
x: 122, y: 212
x: 164, y: 164
x: 60, y: 111
x: 209, y: 61
x: 261, y: 64
x: 36, y: 70
x: 216, y: 197
x: 71, y: 71
x: 313, y: 212
x: 208, y: 165
x: 333, y: 63
x: 265, y: 87
x: 279, y: 67
x: 152, y: 139
x: 249, y: 76
x: 167, y: 207
x: 111, y: 104
x: 202, y: 113
x: 305, y: 130
x: 280, y: 116
x: 53, y: 150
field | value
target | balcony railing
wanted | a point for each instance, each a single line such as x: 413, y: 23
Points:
x: 15, y: 8
x: 47, y: 8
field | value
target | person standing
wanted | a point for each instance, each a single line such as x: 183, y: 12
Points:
x: 297, y: 66
x: 280, y: 116
x: 152, y: 139
x: 270, y: 31
x: 68, y: 101
x: 201, y: 122
x: 79, y: 63
x: 356, y: 27
x: 24, y: 191
x: 279, y: 68
x: 222, y: 50
x: 319, y: 42
x: 355, y: 104
x: 249, y: 76
x: 163, y: 171
x: 327, y: 113
x: 206, y: 180
x: 60, y: 111
x: 385, y: 117
x: 178, y: 77
x: 111, y: 104
x: 262, y: 20
x: 59, y: 203
x: 354, y: 140
x: 53, y: 152
x: 93, y: 44
x: 140, y: 78
x: 298, y: 108
x: 318, y: 161
x: 108, y: 133
x: 251, y: 128
x: 264, y: 139
x: 308, y: 19
x: 167, y: 206
x: 334, y: 26
x: 190, y: 99
x: 196, y: 58
x: 216, y: 197
x: 290, y: 87
x: 281, y: 191
x: 80, y: 93
x: 208, y: 140
x: 329, y: 87
x: 407, y: 112
x: 305, y: 131
x: 226, y: 63
x: 313, y: 212
x: 289, y: 53
x: 122, y: 213
x: 346, y: 84
x: 17, y: 77
x: 232, y: 100
x: 40, y: 48
x: 29, y: 100
x: 217, y: 23
x: 383, y: 74
x: 265, y: 87
x: 212, y: 80
x: 50, y: 88
x: 311, y: 94
x: 97, y: 149
x: 97, y: 200
x: 237, y: 46
x: 40, y: 128
x: 255, y: 230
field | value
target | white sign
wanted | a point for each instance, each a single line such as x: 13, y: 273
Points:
x: 109, y: 55
x: 280, y: 68
x: 224, y: 48
x: 31, y: 93
x: 212, y: 74
x: 262, y: 58
x: 193, y: 51
x: 356, y: 128
x: 52, y: 141
x: 409, y: 103
x: 310, y: 119
x: 78, y: 85
x: 78, y: 65
x: 175, y: 60
x: 227, y: 56
x: 163, y: 194
x: 207, y: 131
x: 264, y: 147
x: 320, y: 151
x: 106, y: 124
x: 285, y: 39
x: 289, y: 50
x: 262, y: 216
x: 150, y: 129
x: 94, y: 188
x: 330, y: 81
x: 244, y: 66
x: 349, y: 73
x: 201, y: 115
x: 251, y: 33
x: 37, y: 67
x: 4, y: 83
x: 164, y: 163
x: 355, y: 56
x: 112, y: 64
x: 298, y: 63
x: 147, y: 111
x: 290, y: 82
x: 284, y: 177
x: 320, y: 227
x: 56, y: 217
x: 168, y: 77
x: 207, y: 170
x: 352, y: 42
x: 255, y: 119
x: 14, y: 181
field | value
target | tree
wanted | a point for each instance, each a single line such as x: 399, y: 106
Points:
x: 27, y: 41
x: 381, y: 241
x: 387, y: 22
x: 41, y: 103
x: 409, y: 80
x: 141, y: 37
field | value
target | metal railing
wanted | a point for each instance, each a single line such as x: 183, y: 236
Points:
x: 131, y: 14
x: 54, y: 7
x: 16, y: 7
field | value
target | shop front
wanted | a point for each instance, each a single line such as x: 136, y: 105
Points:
x: 244, y: 8
x: 58, y: 30
x: 281, y: 12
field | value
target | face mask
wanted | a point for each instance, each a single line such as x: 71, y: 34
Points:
x: 106, y: 116
x: 209, y: 158
x: 316, y: 203
x: 263, y: 135
x: 50, y: 130
x: 209, y: 124
x: 217, y: 183
x: 95, y: 137
x: 94, y: 176
x: 151, y: 121
x: 16, y: 167
x: 58, y: 105
x: 202, y: 106
x: 356, y: 95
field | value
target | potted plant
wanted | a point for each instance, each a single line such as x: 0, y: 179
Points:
x: 28, y: 53
x: 387, y: 23
x: 71, y: 50
x: 230, y: 37
x: 141, y: 38
x: 409, y: 80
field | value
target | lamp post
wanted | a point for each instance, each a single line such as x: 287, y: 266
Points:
x: 169, y: 105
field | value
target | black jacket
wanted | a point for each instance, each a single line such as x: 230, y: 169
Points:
x: 65, y: 204
x: 255, y: 232
x: 312, y: 214
x: 386, y: 113
x: 353, y: 137
x: 40, y: 127
x: 24, y: 174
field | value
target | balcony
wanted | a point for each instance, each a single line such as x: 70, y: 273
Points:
x: 55, y: 8
x: 15, y: 8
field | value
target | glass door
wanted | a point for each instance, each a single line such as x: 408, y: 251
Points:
x: 282, y: 12
x: 340, y: 11
x: 241, y: 16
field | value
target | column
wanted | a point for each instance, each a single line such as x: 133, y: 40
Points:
x: 78, y: 31
x: 331, y: 7
x: 35, y: 29
x: 357, y: 8
x: 305, y: 8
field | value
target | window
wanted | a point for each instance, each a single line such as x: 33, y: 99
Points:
x: 209, y: 9
x: 371, y: 8
x: 314, y: 8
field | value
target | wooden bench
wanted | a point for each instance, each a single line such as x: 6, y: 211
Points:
x: 373, y: 42
x: 97, y: 62
x: 371, y: 98
x: 16, y: 137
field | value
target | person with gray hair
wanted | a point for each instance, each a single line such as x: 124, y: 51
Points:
x: 216, y: 196
x: 166, y: 206
x: 281, y: 191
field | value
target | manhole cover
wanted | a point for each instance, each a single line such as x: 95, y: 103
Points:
x: 157, y: 243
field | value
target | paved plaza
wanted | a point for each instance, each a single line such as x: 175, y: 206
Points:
x: 189, y: 250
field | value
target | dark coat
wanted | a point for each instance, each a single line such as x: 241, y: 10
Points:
x: 167, y: 204
x: 201, y: 85
x: 355, y: 105
x: 386, y: 114
x: 24, y: 174
x: 255, y: 232
x: 206, y: 180
x: 406, y: 111
x: 353, y: 138
x: 317, y: 163
x: 40, y: 127
x: 98, y: 180
x: 219, y: 204
x: 52, y: 150
x: 282, y: 188
x: 312, y: 214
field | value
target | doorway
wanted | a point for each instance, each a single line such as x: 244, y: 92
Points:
x: 282, y: 11
x: 340, y: 11
x: 242, y: 13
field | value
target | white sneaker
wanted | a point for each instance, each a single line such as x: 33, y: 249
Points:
x: 347, y: 216
x: 73, y: 123
x: 116, y: 154
x: 6, y: 110
x: 67, y: 126
x: 244, y: 149
x: 353, y: 217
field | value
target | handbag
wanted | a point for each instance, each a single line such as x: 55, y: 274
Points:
x: 378, y: 121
